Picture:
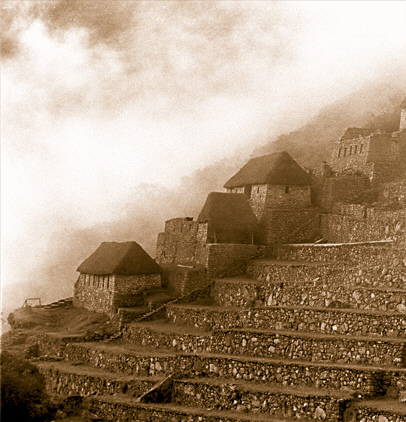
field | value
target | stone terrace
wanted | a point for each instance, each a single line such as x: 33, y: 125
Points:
x: 315, y: 332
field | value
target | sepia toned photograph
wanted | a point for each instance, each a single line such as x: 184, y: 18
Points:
x: 203, y: 210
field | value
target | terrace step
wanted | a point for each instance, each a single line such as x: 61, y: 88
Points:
x: 379, y: 409
x: 122, y: 408
x: 274, y: 270
x: 349, y: 252
x: 316, y: 347
x: 237, y: 291
x: 300, y: 318
x: 125, y: 409
x: 286, y: 402
x: 374, y: 274
x: 65, y: 378
x: 143, y: 362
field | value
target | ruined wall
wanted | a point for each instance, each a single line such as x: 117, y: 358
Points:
x: 107, y: 293
x: 182, y: 241
x: 374, y: 224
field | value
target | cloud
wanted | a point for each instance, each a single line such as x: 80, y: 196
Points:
x: 107, y: 105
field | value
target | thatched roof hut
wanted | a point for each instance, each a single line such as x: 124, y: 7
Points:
x: 230, y: 218
x: 273, y: 169
x: 127, y: 258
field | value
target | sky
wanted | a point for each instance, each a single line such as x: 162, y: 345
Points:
x: 106, y: 103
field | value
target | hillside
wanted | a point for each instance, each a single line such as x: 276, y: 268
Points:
x: 376, y: 107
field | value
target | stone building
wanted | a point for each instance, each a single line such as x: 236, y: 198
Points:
x: 371, y: 154
x: 278, y: 191
x: 361, y: 162
x: 115, y: 276
x: 229, y: 218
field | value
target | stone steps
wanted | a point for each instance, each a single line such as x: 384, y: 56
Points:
x: 275, y: 400
x: 144, y: 362
x: 66, y: 379
x: 238, y: 291
x: 307, y: 319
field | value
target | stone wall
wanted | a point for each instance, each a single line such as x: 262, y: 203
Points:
x: 314, y: 294
x: 344, y: 188
x: 363, y: 379
x: 182, y: 242
x: 376, y: 225
x: 303, y: 319
x: 386, y: 271
x: 354, y: 253
x: 350, y: 154
x: 225, y: 260
x: 288, y: 226
x: 242, y: 398
x: 393, y: 193
x: 278, y: 196
x: 309, y: 347
x: 355, y: 154
x: 107, y: 293
x: 184, y: 279
x: 95, y: 293
x: 257, y: 199
x: 70, y: 380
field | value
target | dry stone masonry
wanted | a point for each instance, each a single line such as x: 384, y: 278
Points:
x: 290, y: 305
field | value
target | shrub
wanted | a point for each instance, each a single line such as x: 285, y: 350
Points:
x: 23, y: 396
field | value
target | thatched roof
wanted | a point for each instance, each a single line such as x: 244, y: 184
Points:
x: 227, y: 211
x: 273, y: 169
x: 126, y: 258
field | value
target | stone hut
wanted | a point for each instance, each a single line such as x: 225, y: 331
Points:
x: 115, y: 276
x: 229, y: 218
x: 278, y: 191
x: 274, y: 180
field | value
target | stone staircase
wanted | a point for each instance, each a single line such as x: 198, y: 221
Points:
x: 312, y: 333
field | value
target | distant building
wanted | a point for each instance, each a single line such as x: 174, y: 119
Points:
x: 115, y: 276
x: 378, y: 156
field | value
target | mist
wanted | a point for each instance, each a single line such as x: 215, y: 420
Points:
x: 116, y: 115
